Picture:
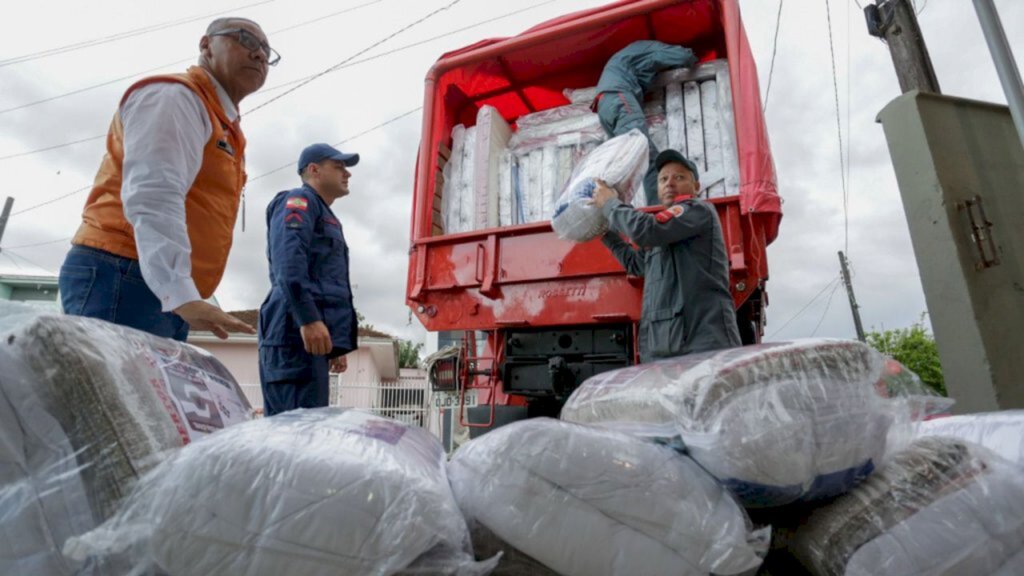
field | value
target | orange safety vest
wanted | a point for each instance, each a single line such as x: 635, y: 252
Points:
x: 211, y: 204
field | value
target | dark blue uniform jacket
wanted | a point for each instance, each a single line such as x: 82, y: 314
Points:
x: 308, y: 273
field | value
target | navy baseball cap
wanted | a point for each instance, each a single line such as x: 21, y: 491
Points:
x: 670, y: 155
x: 321, y: 152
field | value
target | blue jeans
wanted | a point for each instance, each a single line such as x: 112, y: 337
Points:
x: 292, y: 378
x: 98, y: 284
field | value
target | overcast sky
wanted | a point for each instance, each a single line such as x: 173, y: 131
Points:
x: 314, y: 35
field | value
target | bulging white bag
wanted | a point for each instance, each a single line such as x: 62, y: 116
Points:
x: 621, y: 162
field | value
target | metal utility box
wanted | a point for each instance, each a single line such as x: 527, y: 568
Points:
x: 960, y: 169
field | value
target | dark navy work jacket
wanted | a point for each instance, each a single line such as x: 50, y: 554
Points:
x: 308, y: 273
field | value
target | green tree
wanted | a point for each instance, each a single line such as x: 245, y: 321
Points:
x: 409, y: 354
x: 915, y: 348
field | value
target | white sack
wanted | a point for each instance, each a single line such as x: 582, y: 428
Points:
x: 306, y: 492
x: 621, y: 162
x: 90, y: 406
x: 590, y: 502
x: 941, y: 507
x: 777, y: 423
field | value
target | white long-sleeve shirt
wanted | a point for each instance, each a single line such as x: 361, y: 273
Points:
x: 166, y: 127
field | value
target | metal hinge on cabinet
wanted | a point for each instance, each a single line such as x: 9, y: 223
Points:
x: 981, y: 232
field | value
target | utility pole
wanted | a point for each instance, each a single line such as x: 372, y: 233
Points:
x: 895, y: 22
x: 853, y: 300
x: 1002, y: 56
x: 5, y: 216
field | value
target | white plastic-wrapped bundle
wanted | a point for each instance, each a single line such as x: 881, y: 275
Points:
x: 581, y: 96
x: 942, y: 507
x: 88, y: 407
x: 307, y: 492
x: 1001, y: 432
x: 492, y: 136
x: 777, y: 423
x: 585, y: 501
x: 467, y: 194
x: 621, y: 162
x: 451, y: 203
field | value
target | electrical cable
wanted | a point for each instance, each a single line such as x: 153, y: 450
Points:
x: 771, y: 68
x: 119, y: 36
x: 806, y: 306
x: 361, y: 52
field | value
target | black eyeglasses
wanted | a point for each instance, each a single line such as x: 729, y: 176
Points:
x: 252, y: 43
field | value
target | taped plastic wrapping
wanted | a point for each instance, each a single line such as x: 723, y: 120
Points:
x: 621, y: 162
x: 88, y: 406
x: 777, y: 423
x: 325, y: 491
x: 939, y: 507
x: 591, y: 502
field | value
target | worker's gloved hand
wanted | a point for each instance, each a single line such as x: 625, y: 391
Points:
x: 205, y: 316
x: 316, y: 338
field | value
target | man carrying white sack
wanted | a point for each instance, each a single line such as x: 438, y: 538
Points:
x: 687, y: 306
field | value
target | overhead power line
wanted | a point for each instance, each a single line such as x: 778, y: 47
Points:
x: 814, y: 298
x: 175, y: 63
x: 408, y: 46
x: 361, y: 52
x: 253, y: 179
x: 120, y: 35
x: 35, y: 244
x: 775, y: 46
x: 839, y: 132
x: 273, y: 88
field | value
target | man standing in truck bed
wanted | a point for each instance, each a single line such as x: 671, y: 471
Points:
x: 687, y: 306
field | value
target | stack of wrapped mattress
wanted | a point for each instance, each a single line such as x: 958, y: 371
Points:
x: 308, y: 492
x: 939, y: 507
x: 776, y: 423
x: 585, y: 501
x: 88, y: 407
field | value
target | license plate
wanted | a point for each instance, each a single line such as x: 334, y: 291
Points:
x: 451, y: 399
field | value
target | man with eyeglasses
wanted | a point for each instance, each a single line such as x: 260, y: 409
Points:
x: 307, y: 321
x: 687, y: 306
x: 157, y: 226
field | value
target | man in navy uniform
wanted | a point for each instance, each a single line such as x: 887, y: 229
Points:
x: 307, y: 323
x: 687, y: 306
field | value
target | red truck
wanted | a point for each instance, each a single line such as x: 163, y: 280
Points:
x: 541, y: 314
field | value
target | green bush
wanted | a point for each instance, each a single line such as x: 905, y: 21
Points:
x: 915, y: 348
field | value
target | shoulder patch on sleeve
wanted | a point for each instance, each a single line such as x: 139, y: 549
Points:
x: 296, y: 203
x: 669, y: 213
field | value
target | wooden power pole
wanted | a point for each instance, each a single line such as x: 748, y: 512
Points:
x: 853, y: 299
x: 5, y: 216
x: 895, y: 22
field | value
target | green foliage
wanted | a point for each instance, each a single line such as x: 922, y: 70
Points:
x: 409, y: 354
x: 915, y: 348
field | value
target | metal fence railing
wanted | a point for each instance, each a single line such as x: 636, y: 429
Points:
x: 407, y: 400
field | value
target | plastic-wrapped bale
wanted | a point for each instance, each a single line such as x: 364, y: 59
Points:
x: 590, y: 502
x: 777, y: 423
x: 621, y: 162
x: 940, y: 507
x: 1001, y: 432
x: 308, y: 492
x: 92, y: 406
x: 492, y: 136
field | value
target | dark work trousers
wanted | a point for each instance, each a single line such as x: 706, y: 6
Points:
x: 292, y: 378
x: 619, y: 113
